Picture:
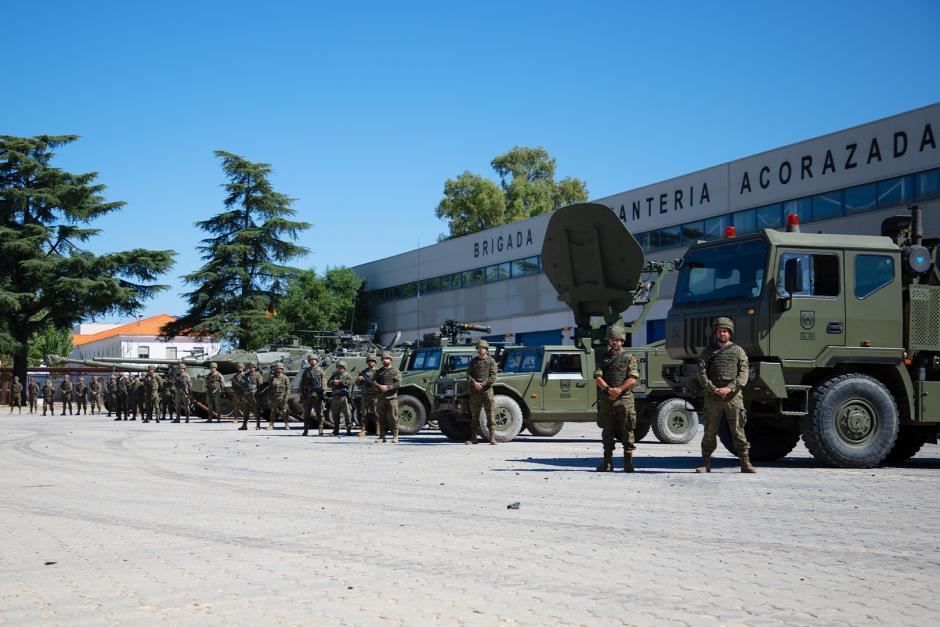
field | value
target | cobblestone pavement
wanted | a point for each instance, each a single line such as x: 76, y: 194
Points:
x: 130, y: 523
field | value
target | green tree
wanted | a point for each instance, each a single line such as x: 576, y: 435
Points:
x: 245, y: 273
x: 47, y: 278
x: 320, y: 303
x: 527, y: 188
x: 49, y: 340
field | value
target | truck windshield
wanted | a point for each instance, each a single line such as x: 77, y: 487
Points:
x: 425, y: 359
x: 523, y: 360
x: 728, y: 271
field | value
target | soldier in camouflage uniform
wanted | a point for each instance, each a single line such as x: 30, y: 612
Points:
x: 16, y: 395
x: 94, y: 396
x: 152, y: 386
x: 368, y: 396
x: 122, y: 392
x: 167, y: 398
x: 311, y: 393
x: 253, y: 381
x: 33, y: 389
x: 722, y: 373
x: 481, y: 375
x: 239, y: 388
x: 111, y: 395
x: 615, y: 376
x: 81, y: 398
x: 214, y: 385
x: 386, y: 382
x: 184, y: 389
x: 66, y: 388
x: 48, y: 392
x: 340, y: 385
x: 138, y: 397
x: 279, y: 390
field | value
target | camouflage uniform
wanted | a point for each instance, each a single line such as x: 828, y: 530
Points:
x: 182, y: 384
x: 239, y: 387
x: 34, y: 392
x: 388, y: 400
x: 167, y: 399
x: 152, y: 386
x: 279, y: 389
x: 48, y: 392
x: 81, y: 398
x: 122, y: 393
x: 340, y: 384
x: 311, y: 393
x: 94, y: 396
x: 110, y: 400
x: 719, y: 367
x: 253, y: 381
x: 139, y: 397
x: 66, y: 388
x: 214, y: 385
x: 617, y: 418
x: 16, y: 395
x: 368, y: 396
x: 482, y: 370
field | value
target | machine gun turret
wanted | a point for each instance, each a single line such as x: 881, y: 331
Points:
x: 452, y: 329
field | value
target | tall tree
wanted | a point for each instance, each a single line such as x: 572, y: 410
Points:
x: 316, y: 303
x: 527, y: 188
x: 246, y: 255
x: 49, y: 339
x: 47, y: 278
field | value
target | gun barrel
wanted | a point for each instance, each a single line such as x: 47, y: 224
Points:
x: 469, y: 326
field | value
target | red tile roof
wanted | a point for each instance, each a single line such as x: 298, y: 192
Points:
x: 147, y: 326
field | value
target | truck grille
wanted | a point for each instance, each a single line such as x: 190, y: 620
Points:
x: 924, y: 313
x: 697, y: 333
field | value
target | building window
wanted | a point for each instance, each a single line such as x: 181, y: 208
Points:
x: 473, y: 277
x: 801, y: 207
x: 745, y: 222
x: 693, y: 232
x: 894, y: 192
x: 670, y: 237
x: 715, y: 227
x: 525, y: 267
x: 928, y: 185
x: 872, y: 272
x: 143, y: 352
x: 498, y: 272
x: 861, y: 198
x: 198, y: 351
x: 770, y: 217
x: 828, y: 205
x: 171, y: 352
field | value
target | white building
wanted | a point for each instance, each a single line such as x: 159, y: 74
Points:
x: 138, y: 339
x: 843, y: 182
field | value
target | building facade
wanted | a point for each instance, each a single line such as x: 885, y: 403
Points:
x: 844, y: 182
x: 138, y: 339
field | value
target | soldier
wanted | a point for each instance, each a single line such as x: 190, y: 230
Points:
x: 279, y: 390
x: 135, y: 395
x: 94, y: 396
x: 481, y: 375
x: 722, y: 372
x: 386, y: 383
x: 81, y: 399
x: 48, y: 391
x: 239, y: 388
x: 214, y: 385
x: 167, y: 399
x: 339, y: 384
x: 615, y: 376
x: 66, y: 388
x: 253, y: 381
x: 183, y: 387
x: 369, y: 399
x: 111, y: 398
x: 16, y: 395
x: 33, y: 389
x: 311, y: 393
x: 152, y: 385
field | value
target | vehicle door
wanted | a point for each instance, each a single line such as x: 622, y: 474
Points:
x: 565, y: 384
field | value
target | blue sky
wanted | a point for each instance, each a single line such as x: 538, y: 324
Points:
x: 365, y: 109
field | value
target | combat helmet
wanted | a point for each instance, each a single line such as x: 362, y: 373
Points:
x: 371, y: 357
x: 615, y: 332
x: 483, y: 343
x: 278, y: 366
x: 341, y: 364
x: 213, y: 365
x: 725, y: 322
x: 312, y: 356
x: 387, y: 354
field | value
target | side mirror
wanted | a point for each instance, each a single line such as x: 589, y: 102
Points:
x: 793, y: 276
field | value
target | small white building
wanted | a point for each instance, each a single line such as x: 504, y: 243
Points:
x: 138, y: 339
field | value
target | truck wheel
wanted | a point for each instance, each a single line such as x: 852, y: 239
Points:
x: 507, y: 419
x: 452, y: 428
x: 544, y: 429
x: 675, y: 421
x: 770, y: 440
x: 642, y: 429
x: 412, y: 415
x: 909, y: 441
x: 853, y: 422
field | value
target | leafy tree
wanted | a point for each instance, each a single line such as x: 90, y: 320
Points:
x: 527, y: 188
x: 245, y: 274
x: 47, y: 279
x: 49, y: 340
x: 320, y: 303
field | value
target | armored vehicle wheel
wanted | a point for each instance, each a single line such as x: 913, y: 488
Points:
x: 412, y: 415
x: 642, y: 429
x: 453, y: 429
x: 507, y: 419
x: 675, y: 421
x: 853, y: 422
x: 909, y: 441
x: 544, y: 429
x: 770, y: 440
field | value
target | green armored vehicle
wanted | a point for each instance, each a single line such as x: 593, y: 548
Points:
x: 842, y: 333
x: 596, y: 268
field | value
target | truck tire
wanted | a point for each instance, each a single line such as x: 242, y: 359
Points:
x: 544, y: 429
x: 452, y: 428
x: 412, y: 415
x: 675, y: 421
x: 507, y: 418
x: 910, y: 440
x: 853, y: 422
x: 769, y: 440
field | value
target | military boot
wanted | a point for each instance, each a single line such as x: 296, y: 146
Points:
x: 628, y: 461
x: 703, y: 466
x: 746, y: 463
x: 492, y: 437
x: 608, y: 464
x: 473, y: 435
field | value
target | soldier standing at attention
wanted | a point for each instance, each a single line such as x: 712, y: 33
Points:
x: 111, y: 400
x: 280, y: 391
x: 94, y: 396
x: 152, y: 385
x: 136, y: 393
x: 369, y: 395
x: 33, y: 389
x: 722, y: 372
x: 167, y: 398
x: 387, y: 381
x: 311, y: 393
x: 339, y: 383
x: 238, y: 392
x: 16, y: 395
x: 214, y: 385
x: 66, y: 388
x: 481, y: 375
x: 183, y: 386
x: 48, y: 391
x: 81, y: 399
x: 615, y: 377
x: 253, y: 382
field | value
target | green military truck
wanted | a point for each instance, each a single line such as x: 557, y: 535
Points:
x: 842, y: 332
